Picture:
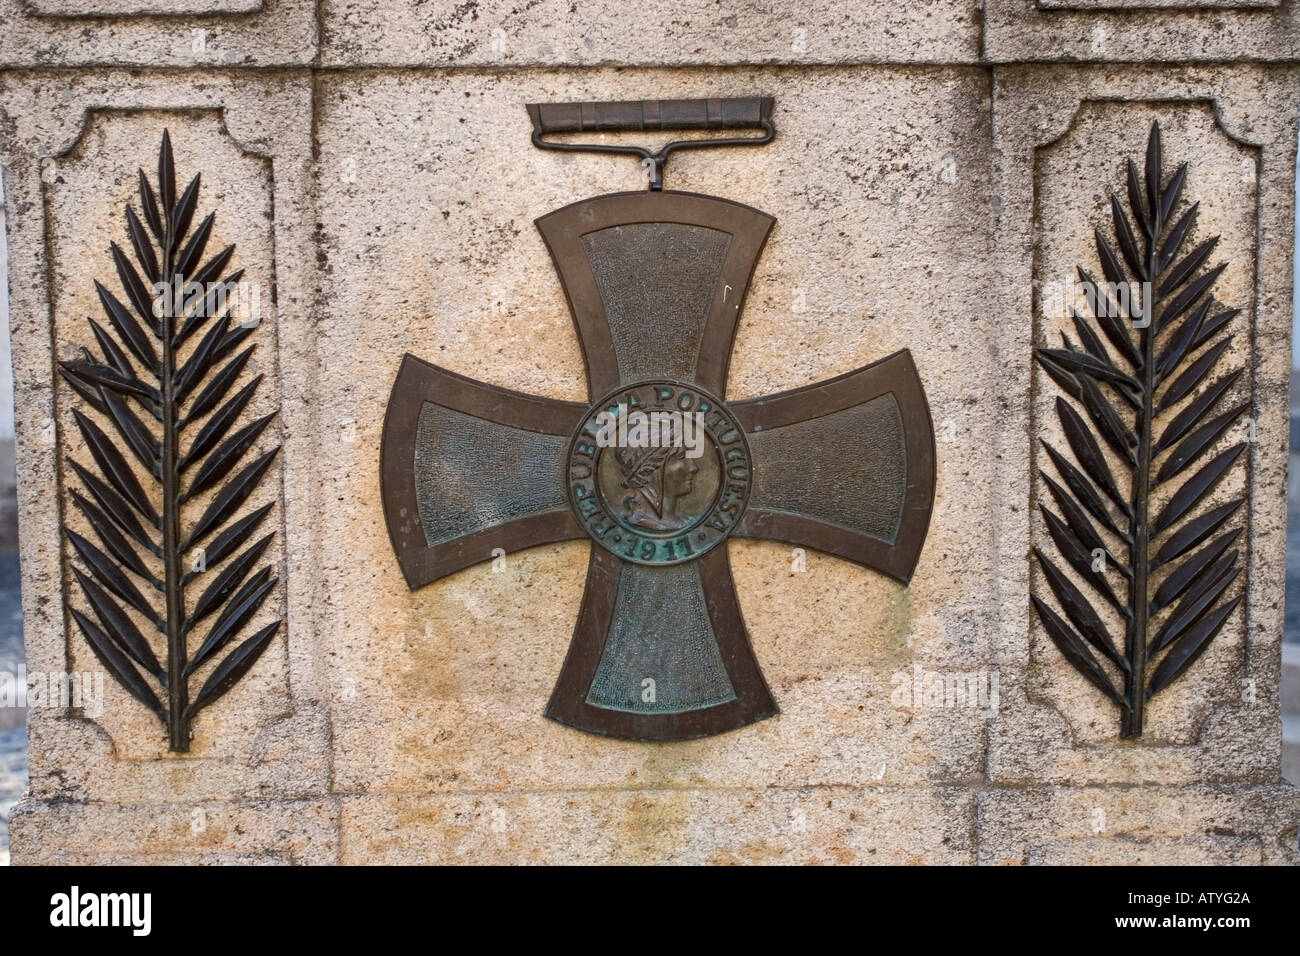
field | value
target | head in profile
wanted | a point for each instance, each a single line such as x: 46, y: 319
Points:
x: 657, y: 478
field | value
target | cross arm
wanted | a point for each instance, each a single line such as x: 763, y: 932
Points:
x: 467, y: 468
x: 845, y: 466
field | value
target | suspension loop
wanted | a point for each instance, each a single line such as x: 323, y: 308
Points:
x: 753, y: 112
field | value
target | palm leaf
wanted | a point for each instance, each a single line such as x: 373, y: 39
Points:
x: 1080, y: 559
x: 236, y: 614
x: 1194, y: 532
x: 1196, y: 602
x: 1078, y: 609
x: 1085, y: 363
x: 114, y: 506
x: 225, y: 583
x: 1195, y: 411
x: 1144, y: 401
x: 1179, y: 274
x: 217, y: 387
x: 137, y: 391
x: 113, y: 541
x: 1174, y: 241
x: 229, y: 671
x: 118, y: 664
x: 1190, y: 571
x: 1108, y: 318
x: 230, y: 540
x: 227, y: 455
x: 119, y: 626
x: 1075, y: 651
x: 1189, y: 647
x: 210, y: 306
x: 216, y: 427
x: 1190, y: 377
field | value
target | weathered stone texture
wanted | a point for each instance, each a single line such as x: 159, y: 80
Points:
x: 379, y: 176
x: 204, y: 34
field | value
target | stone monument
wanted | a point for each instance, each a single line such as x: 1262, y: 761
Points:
x: 229, y: 661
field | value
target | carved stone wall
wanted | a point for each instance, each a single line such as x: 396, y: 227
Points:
x: 936, y: 167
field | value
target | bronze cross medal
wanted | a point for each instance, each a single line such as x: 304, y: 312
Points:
x: 659, y: 470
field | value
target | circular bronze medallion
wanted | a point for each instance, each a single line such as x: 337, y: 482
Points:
x: 659, y: 472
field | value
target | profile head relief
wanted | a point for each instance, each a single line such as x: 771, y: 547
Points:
x: 658, y: 475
